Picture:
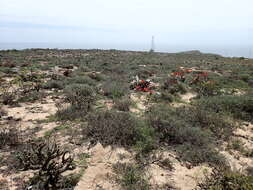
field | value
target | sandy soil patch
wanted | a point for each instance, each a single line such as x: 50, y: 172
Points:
x: 97, y: 175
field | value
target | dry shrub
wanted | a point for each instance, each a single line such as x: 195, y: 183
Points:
x: 7, y: 98
x: 123, y: 104
x: 115, y: 89
x: 131, y: 176
x: 49, y: 160
x: 81, y: 96
x: 177, y: 128
x: 111, y: 128
x: 9, y: 135
x: 241, y: 107
x: 224, y: 179
x: 2, y: 112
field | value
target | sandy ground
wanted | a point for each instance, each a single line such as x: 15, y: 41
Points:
x: 188, y: 97
x: 27, y: 115
x: 140, y: 101
x: 97, y: 175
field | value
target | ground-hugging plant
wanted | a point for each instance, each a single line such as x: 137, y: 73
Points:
x: 49, y: 160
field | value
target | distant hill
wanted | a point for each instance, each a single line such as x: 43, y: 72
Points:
x: 192, y: 52
x: 197, y: 52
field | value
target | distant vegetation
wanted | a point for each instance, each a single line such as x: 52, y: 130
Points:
x: 94, y: 88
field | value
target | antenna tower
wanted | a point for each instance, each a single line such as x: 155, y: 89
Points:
x: 152, y: 44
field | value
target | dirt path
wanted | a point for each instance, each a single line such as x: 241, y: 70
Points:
x: 97, y: 175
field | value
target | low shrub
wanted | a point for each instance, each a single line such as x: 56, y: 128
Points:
x: 144, y: 73
x: 82, y: 80
x: 176, y: 130
x: 207, y: 88
x: 8, y: 98
x: 241, y: 107
x: 112, y: 128
x: 123, y: 104
x: 9, y: 136
x: 115, y: 89
x: 174, y: 86
x: 217, y: 123
x: 80, y: 96
x: 130, y: 176
x: 146, y: 140
x: 31, y: 96
x: 49, y: 160
x: 174, y: 127
x: 164, y: 96
x: 70, y: 113
x: 226, y: 180
x: 97, y: 76
x: 83, y: 68
x: 56, y: 84
x: 2, y: 113
x: 200, y: 154
x: 250, y: 170
x: 245, y: 77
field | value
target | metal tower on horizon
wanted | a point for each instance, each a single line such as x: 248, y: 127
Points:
x: 152, y: 44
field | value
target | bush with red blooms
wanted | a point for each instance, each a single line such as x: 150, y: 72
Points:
x: 143, y: 86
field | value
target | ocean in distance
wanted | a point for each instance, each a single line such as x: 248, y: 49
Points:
x: 227, y: 51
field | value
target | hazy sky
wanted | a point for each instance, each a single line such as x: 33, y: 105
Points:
x: 184, y: 22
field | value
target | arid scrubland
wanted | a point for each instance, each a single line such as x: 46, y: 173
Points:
x: 80, y: 119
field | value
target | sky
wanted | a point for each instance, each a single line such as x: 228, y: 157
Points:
x: 172, y: 22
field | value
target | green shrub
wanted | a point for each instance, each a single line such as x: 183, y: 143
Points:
x: 217, y: 123
x: 245, y: 77
x: 32, y: 96
x: 97, y: 76
x: 209, y: 88
x: 130, y: 176
x: 241, y: 107
x: 146, y: 140
x: 83, y: 68
x: 8, y: 98
x: 200, y: 154
x: 250, y: 170
x: 174, y: 87
x: 112, y: 128
x: 49, y: 160
x: 227, y: 180
x: 82, y: 80
x: 174, y: 127
x: 9, y: 136
x: 123, y: 104
x: 164, y: 96
x: 54, y: 84
x: 70, y: 113
x: 80, y: 96
x: 2, y: 113
x: 144, y: 73
x: 115, y: 89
